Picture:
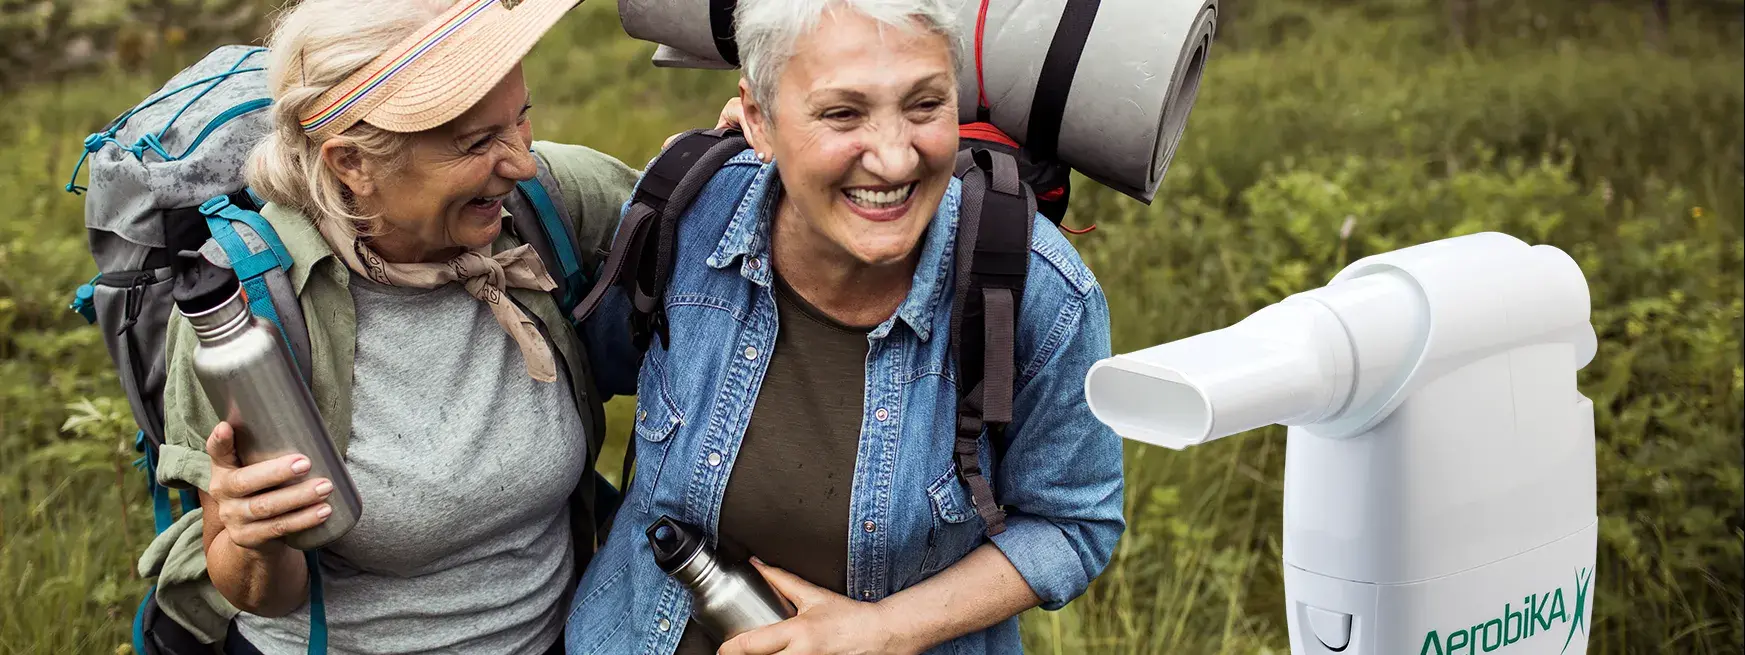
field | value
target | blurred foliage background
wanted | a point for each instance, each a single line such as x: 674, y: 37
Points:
x: 1326, y: 130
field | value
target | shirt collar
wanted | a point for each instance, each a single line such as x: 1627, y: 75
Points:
x: 747, y: 241
x: 309, y: 252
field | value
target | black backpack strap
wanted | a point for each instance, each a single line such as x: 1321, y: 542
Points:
x: 993, y: 246
x: 641, y: 259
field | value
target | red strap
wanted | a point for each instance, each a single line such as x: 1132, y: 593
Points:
x: 981, y: 27
x: 985, y: 132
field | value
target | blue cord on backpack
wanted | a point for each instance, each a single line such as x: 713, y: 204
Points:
x: 150, y: 141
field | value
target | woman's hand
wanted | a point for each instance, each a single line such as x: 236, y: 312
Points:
x: 255, y: 513
x: 732, y: 115
x: 827, y: 623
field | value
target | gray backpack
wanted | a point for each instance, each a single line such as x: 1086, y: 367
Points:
x: 167, y: 176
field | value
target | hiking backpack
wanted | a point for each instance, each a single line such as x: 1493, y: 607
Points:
x: 166, y: 177
x: 993, y: 246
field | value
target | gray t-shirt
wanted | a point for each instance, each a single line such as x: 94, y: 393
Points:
x: 465, y: 466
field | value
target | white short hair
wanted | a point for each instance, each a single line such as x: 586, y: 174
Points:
x: 766, y: 31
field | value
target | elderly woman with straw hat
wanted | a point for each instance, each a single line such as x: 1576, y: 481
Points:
x: 460, y: 394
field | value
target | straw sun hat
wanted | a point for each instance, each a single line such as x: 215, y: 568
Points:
x: 439, y: 71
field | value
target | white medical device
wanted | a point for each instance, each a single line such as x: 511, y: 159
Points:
x: 1439, y: 467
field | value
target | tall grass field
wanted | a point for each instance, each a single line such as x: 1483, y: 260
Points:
x: 1324, y: 131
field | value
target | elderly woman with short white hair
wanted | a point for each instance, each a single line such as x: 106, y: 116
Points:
x: 802, y: 407
x: 441, y: 364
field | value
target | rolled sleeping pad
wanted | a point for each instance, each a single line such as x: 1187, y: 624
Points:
x: 667, y: 56
x: 689, y: 27
x: 1104, y: 86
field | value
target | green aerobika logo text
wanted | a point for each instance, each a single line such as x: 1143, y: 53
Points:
x: 1537, y: 614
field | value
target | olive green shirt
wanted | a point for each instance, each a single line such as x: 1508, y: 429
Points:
x: 787, y: 500
x: 593, y: 186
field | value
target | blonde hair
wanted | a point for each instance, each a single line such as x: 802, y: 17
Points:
x: 314, y: 46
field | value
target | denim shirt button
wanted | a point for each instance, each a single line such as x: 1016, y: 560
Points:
x: 866, y: 593
x: 755, y: 263
x: 750, y: 352
x: 881, y: 414
x: 664, y: 625
x: 714, y: 459
x: 870, y: 526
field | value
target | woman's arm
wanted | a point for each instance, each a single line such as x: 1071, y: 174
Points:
x: 1061, y: 473
x: 239, y: 525
x: 977, y: 592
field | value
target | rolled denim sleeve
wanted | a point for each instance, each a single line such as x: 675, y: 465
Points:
x: 1061, y: 476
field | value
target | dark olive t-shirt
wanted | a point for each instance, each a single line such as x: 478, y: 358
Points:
x: 788, y: 496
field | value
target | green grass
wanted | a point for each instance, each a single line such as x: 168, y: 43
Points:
x: 1570, y: 134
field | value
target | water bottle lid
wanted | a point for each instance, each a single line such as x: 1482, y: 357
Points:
x: 674, y: 543
x: 201, y: 286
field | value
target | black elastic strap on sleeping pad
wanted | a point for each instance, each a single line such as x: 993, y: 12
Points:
x: 993, y: 245
x: 721, y: 27
x: 1055, y: 82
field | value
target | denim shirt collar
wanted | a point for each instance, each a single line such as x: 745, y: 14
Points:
x: 747, y: 240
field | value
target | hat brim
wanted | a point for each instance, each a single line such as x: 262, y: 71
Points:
x: 448, y: 80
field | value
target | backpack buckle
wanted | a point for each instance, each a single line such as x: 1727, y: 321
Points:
x: 215, y: 205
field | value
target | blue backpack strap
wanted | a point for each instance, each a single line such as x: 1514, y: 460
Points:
x: 568, y: 261
x: 252, y: 269
x: 317, y: 607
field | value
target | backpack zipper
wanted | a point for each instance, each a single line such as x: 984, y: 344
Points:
x: 219, y: 121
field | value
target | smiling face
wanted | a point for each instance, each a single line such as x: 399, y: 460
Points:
x: 864, y: 133
x: 447, y: 196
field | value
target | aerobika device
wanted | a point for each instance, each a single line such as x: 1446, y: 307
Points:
x: 1439, y: 467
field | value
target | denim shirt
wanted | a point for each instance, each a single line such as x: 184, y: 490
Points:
x: 911, y: 515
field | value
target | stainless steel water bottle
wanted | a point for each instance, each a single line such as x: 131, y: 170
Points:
x: 252, y: 381
x: 728, y: 599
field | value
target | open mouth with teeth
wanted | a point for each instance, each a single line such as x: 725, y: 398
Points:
x: 879, y: 199
x: 487, y: 204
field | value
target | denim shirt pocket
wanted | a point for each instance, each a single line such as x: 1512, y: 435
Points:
x: 956, y: 528
x: 657, y: 419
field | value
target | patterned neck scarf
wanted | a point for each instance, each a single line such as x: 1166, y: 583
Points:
x: 486, y: 276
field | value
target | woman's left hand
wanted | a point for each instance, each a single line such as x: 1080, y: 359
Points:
x: 826, y: 623
x: 732, y: 116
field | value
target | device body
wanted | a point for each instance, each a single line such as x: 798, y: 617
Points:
x: 1439, y: 469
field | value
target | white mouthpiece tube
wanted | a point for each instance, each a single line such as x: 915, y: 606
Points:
x: 1310, y: 358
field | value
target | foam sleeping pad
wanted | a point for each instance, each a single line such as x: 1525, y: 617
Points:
x: 1119, y: 77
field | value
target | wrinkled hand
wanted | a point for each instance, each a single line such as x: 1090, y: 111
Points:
x: 732, y: 115
x: 255, y: 512
x: 826, y: 624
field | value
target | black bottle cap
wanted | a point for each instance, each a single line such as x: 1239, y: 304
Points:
x: 201, y: 286
x: 674, y: 543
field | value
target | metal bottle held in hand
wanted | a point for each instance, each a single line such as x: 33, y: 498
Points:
x: 728, y: 599
x: 252, y: 381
